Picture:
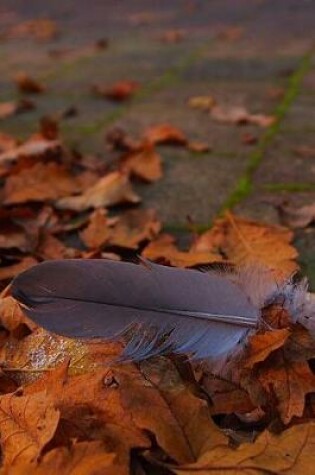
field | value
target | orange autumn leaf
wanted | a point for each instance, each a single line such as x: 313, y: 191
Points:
x: 289, y: 453
x: 28, y: 85
x: 261, y: 345
x: 165, y: 134
x: 9, y: 272
x: 81, y: 458
x: 246, y: 242
x: 144, y: 164
x: 110, y: 190
x: 41, y: 182
x: 239, y: 115
x: 120, y: 91
x: 28, y: 423
x: 163, y: 249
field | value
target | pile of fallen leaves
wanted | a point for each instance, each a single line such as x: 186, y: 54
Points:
x: 64, y: 406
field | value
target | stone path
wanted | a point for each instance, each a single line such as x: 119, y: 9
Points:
x: 273, y: 51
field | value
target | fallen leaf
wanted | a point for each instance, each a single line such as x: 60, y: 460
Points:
x: 289, y: 381
x: 28, y: 85
x: 291, y: 452
x: 7, y: 142
x: 33, y: 147
x: 98, y: 231
x: 204, y: 103
x: 41, y: 29
x: 163, y: 249
x: 239, y: 115
x: 110, y: 190
x: 49, y: 247
x: 120, y: 91
x: 165, y: 134
x: 41, y: 182
x: 144, y: 163
x: 297, y: 217
x: 249, y: 139
x: 231, y: 33
x: 226, y: 396
x: 173, y: 36
x: 305, y: 151
x: 198, y: 147
x: 81, y: 458
x: 8, y: 109
x: 134, y: 227
x: 28, y: 423
x: 261, y: 345
x: 11, y: 315
x: 246, y: 242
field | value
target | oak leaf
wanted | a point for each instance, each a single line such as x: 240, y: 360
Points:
x: 290, y: 453
x: 82, y: 458
x: 98, y: 231
x: 246, y: 242
x: 27, y: 424
x: 110, y: 190
x: 163, y: 249
x: 261, y: 345
x: 33, y: 147
x: 41, y: 182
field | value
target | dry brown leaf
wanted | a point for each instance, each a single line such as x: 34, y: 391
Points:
x: 173, y: 36
x: 120, y: 91
x: 49, y: 247
x: 98, y: 231
x: 28, y: 423
x: 198, y: 147
x: 7, y: 109
x: 231, y: 33
x: 11, y: 315
x: 261, y: 345
x: 28, y: 85
x: 144, y: 164
x: 110, y: 190
x: 10, y: 272
x: 191, y: 414
x: 227, y: 397
x: 239, y: 115
x: 41, y: 182
x: 133, y: 227
x: 33, y: 147
x: 297, y: 217
x: 165, y: 134
x: 82, y: 458
x: 290, y: 453
x: 284, y: 380
x: 163, y: 249
x: 204, y: 103
x: 246, y: 242
x: 41, y: 29
x: 7, y: 142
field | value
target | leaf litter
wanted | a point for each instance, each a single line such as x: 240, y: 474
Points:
x: 66, y: 405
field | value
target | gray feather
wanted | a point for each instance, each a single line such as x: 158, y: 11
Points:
x: 160, y: 309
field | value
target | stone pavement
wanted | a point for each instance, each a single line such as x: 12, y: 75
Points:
x: 272, y: 51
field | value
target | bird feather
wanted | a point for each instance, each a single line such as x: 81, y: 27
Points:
x: 158, y: 309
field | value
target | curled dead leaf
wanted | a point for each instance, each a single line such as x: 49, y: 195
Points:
x: 110, y: 190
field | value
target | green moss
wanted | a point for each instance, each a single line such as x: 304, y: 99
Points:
x: 244, y: 186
